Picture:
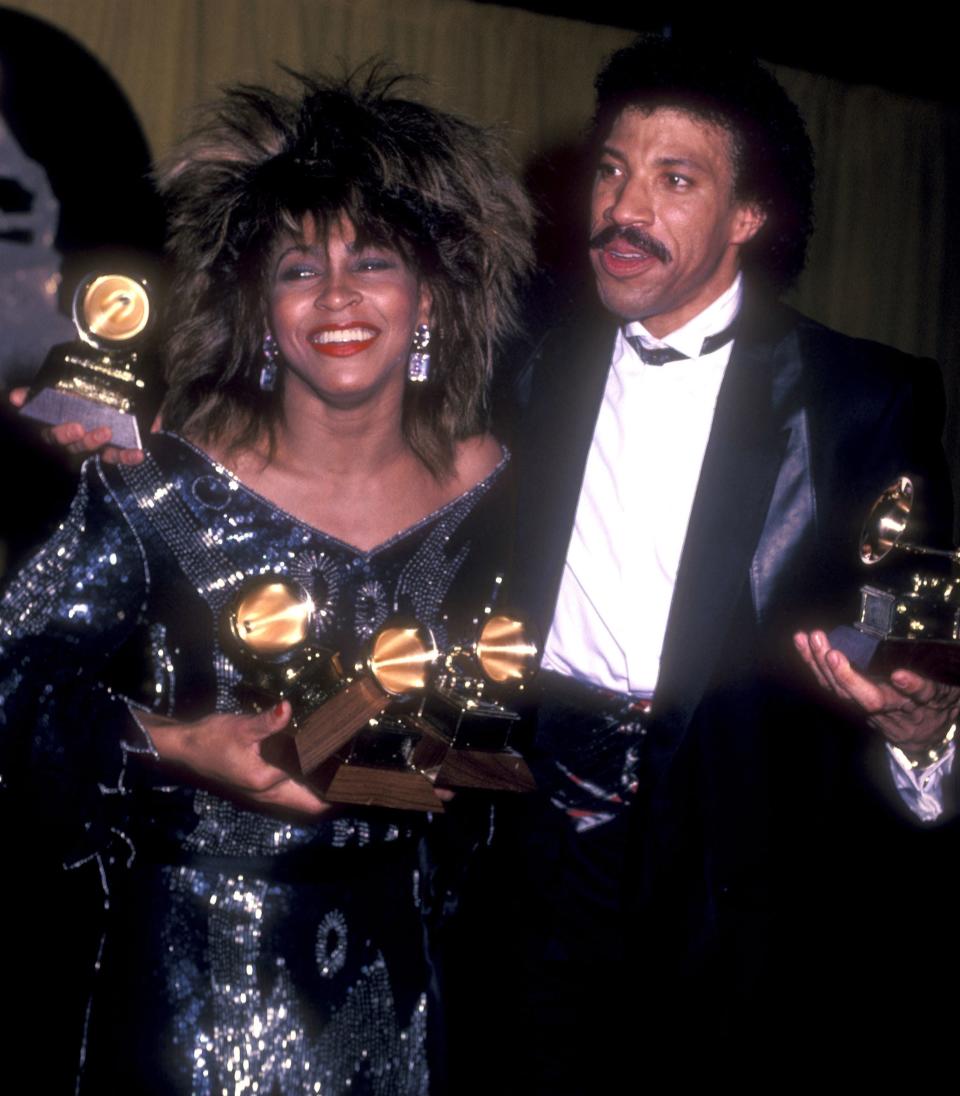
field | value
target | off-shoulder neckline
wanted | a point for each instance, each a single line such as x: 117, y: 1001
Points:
x: 477, y: 489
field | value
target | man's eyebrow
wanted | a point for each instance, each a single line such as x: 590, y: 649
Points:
x: 680, y: 161
x: 689, y: 162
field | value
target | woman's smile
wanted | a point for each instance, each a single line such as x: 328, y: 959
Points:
x: 342, y: 340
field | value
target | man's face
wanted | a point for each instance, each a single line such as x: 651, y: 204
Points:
x: 665, y: 229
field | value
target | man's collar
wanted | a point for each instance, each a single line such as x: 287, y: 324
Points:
x: 688, y: 339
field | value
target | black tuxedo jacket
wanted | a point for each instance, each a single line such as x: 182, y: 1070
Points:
x: 750, y: 781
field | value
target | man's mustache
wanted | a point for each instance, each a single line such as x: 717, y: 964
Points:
x: 636, y: 237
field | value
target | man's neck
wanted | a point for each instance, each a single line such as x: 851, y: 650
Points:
x: 689, y: 336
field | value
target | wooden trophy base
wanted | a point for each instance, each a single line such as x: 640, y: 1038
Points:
x: 331, y: 762
x: 497, y: 770
x: 493, y: 770
x: 330, y: 727
x: 342, y: 781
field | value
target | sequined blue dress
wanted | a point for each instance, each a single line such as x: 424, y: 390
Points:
x: 243, y: 953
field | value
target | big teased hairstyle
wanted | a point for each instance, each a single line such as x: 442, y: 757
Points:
x: 434, y: 187
x: 772, y: 155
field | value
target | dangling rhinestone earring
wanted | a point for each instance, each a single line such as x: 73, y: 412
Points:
x: 418, y: 367
x: 268, y: 371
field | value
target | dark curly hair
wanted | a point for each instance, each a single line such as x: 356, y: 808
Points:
x: 772, y: 155
x: 261, y: 164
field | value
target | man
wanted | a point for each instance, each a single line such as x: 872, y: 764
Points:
x: 695, y: 465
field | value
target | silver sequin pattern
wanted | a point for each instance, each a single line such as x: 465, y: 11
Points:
x: 160, y: 547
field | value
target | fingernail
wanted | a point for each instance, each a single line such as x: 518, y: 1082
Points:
x: 278, y: 710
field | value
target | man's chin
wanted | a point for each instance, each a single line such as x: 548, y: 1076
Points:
x: 624, y: 299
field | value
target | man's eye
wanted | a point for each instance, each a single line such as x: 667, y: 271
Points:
x: 678, y: 182
x: 607, y: 170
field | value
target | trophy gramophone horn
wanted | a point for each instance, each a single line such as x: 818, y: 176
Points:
x: 110, y: 310
x: 401, y: 657
x: 895, y: 513
x: 271, y: 618
x: 507, y: 650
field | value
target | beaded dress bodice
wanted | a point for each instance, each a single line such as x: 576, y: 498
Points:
x: 122, y: 608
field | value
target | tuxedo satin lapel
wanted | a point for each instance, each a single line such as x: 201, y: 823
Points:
x: 740, y: 470
x: 553, y: 449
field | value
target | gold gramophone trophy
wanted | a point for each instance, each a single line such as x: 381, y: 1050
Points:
x: 344, y: 742
x: 467, y: 706
x: 915, y: 625
x: 94, y: 380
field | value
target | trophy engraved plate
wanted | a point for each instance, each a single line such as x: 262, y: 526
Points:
x: 467, y: 707
x: 94, y: 380
x: 877, y: 611
x: 916, y: 624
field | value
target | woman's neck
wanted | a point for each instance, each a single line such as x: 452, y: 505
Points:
x: 347, y: 443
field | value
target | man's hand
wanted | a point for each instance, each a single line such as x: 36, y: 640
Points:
x: 72, y: 437
x: 910, y: 711
x: 226, y: 750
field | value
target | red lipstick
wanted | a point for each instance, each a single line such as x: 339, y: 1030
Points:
x: 341, y: 340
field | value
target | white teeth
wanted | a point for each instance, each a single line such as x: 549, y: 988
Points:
x: 344, y: 335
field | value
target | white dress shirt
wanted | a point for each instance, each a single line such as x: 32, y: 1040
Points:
x: 635, y: 502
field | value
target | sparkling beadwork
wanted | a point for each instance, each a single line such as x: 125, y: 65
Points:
x: 149, y: 556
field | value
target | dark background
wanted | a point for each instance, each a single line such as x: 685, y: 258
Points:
x: 910, y: 57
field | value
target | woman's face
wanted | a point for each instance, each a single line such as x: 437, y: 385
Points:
x: 344, y: 316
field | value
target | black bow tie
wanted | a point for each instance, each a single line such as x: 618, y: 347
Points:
x: 662, y: 355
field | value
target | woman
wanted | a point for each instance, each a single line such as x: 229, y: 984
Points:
x: 258, y: 940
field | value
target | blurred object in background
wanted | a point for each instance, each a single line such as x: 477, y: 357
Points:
x: 75, y: 196
x: 29, y: 263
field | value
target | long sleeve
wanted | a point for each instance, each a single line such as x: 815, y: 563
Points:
x: 65, y: 727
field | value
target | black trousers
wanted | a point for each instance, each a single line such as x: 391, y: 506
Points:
x: 542, y: 959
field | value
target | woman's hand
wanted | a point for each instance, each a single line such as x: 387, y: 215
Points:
x: 72, y: 437
x: 227, y: 750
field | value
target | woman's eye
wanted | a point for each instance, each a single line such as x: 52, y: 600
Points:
x: 296, y: 272
x: 374, y: 263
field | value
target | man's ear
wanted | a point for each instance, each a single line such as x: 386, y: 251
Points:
x: 747, y: 222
